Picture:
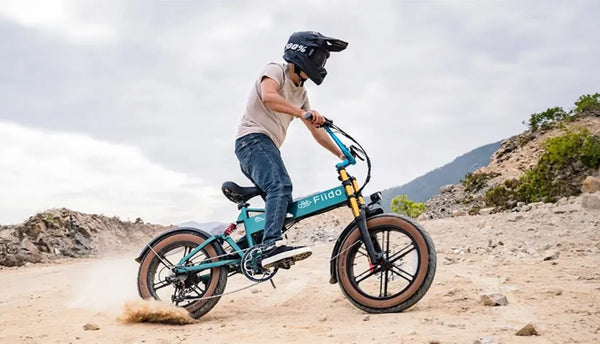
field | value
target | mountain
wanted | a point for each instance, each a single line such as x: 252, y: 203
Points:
x: 538, y: 165
x: 424, y: 187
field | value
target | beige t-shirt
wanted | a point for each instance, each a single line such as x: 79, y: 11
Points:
x: 258, y: 118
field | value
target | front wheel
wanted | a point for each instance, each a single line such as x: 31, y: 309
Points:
x: 404, y: 276
x: 197, y: 292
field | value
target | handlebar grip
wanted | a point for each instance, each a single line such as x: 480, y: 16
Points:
x: 309, y: 116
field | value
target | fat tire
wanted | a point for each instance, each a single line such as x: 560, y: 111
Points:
x: 217, y: 280
x: 407, y: 298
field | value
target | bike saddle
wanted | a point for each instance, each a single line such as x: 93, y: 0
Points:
x: 239, y: 194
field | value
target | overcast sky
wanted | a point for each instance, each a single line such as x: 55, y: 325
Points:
x: 130, y: 108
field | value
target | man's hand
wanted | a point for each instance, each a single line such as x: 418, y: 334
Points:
x: 316, y: 119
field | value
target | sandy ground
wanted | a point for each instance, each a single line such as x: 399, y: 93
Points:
x: 476, y: 255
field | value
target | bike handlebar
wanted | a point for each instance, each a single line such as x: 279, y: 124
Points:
x: 309, y: 116
x: 348, y: 153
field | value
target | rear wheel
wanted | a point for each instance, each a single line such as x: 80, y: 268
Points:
x: 198, y: 292
x: 404, y: 276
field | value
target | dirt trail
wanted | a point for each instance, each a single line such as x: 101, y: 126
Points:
x: 476, y: 255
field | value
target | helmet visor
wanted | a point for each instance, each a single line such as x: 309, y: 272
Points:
x: 318, y: 57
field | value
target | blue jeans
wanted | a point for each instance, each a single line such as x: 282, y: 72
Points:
x: 260, y: 161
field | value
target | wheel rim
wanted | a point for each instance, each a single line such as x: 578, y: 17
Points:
x: 193, y: 286
x: 391, y: 279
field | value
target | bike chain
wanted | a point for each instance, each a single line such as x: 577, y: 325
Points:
x: 248, y: 286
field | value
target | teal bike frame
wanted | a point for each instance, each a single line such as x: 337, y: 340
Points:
x: 254, y: 219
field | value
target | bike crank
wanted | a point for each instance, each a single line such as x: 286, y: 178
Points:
x: 251, y: 267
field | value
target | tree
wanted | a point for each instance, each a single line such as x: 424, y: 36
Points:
x: 402, y: 205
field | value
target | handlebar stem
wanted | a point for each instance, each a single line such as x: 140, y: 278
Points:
x: 349, y: 158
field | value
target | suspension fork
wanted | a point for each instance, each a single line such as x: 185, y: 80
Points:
x: 357, y: 204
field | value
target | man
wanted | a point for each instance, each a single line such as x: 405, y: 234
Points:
x: 277, y: 98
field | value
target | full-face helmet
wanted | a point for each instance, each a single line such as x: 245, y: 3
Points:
x: 309, y: 51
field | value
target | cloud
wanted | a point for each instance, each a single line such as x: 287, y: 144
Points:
x: 420, y: 82
x: 41, y: 170
x: 56, y: 17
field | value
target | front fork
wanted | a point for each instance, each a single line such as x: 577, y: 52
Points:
x: 357, y: 204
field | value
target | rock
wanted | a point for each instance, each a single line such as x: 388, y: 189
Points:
x: 591, y: 184
x: 447, y: 188
x: 494, y: 300
x: 486, y: 211
x: 58, y: 233
x: 528, y: 330
x: 458, y: 212
x: 322, y: 318
x: 367, y: 318
x: 553, y: 256
x: 26, y: 244
x: 568, y: 208
x: 591, y: 201
x: 536, y: 205
x: 91, y: 327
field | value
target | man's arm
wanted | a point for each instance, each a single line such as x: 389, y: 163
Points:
x: 271, y: 98
x: 324, y: 139
x: 274, y: 101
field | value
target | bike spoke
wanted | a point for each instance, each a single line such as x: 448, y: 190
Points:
x: 402, y: 253
x: 398, y: 271
x: 381, y: 284
x: 164, y: 259
x: 197, y: 290
x: 358, y: 279
x: 160, y: 284
x: 362, y: 252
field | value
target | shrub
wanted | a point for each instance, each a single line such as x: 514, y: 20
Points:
x: 544, y: 120
x: 402, y: 205
x: 502, y: 196
x: 552, y: 178
x: 588, y: 103
x: 477, y: 181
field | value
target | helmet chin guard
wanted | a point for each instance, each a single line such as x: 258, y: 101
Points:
x: 309, y: 51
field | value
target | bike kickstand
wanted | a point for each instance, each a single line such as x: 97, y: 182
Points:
x: 273, y: 283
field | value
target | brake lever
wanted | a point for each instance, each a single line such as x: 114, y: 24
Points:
x: 355, y: 152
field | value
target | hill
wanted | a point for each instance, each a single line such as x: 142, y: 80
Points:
x: 423, y: 188
x: 535, y: 166
x: 61, y: 233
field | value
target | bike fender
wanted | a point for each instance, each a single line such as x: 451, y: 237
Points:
x: 351, y: 227
x: 166, y: 233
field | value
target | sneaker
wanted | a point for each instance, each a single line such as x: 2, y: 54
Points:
x: 273, y: 254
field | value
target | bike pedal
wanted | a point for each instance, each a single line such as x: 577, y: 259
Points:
x: 285, y: 264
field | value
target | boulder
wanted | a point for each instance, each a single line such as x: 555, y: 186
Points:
x: 486, y: 211
x: 591, y: 184
x: 528, y: 330
x: 591, y: 201
x: 494, y: 300
x: 458, y: 212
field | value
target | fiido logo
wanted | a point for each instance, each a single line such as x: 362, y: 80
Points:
x: 259, y: 218
x: 324, y: 196
x: 304, y: 203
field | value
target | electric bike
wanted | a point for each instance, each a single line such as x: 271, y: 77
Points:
x: 382, y: 262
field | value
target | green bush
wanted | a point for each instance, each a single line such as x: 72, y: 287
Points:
x: 402, y: 205
x: 503, y: 196
x: 549, y: 180
x: 544, y: 120
x: 477, y: 181
x: 588, y: 103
